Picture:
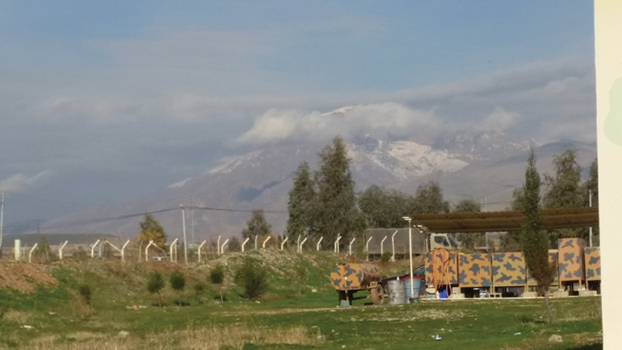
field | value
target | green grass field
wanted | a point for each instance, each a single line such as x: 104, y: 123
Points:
x: 289, y: 316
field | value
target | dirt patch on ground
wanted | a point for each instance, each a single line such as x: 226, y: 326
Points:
x: 24, y: 277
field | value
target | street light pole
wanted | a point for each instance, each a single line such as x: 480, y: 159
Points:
x: 183, y: 228
x: 410, y: 251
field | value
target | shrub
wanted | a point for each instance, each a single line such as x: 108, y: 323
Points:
x: 385, y: 257
x: 178, y: 281
x: 252, y: 277
x: 85, y: 292
x: 155, y: 284
x: 217, y: 275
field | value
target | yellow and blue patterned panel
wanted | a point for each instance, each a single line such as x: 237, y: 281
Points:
x: 571, y: 264
x: 475, y: 270
x: 552, y: 258
x: 451, y: 277
x: 354, y: 276
x: 592, y: 264
x: 508, y: 269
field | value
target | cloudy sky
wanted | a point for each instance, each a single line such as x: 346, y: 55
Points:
x: 101, y: 101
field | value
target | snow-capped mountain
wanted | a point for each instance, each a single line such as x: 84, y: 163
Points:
x: 262, y: 179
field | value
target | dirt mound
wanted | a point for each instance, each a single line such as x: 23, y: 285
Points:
x: 24, y: 277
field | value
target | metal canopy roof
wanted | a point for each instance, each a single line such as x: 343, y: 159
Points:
x: 505, y: 220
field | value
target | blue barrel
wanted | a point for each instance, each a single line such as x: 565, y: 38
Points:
x: 415, y: 293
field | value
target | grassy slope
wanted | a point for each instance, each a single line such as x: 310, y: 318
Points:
x: 60, y: 315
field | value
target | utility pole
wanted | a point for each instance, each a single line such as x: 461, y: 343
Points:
x: 183, y: 224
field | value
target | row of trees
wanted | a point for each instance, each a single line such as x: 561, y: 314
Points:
x: 562, y: 189
x: 323, y: 203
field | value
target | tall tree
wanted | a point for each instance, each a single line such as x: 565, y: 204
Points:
x: 468, y: 205
x: 150, y: 229
x: 534, y: 239
x: 256, y: 225
x: 383, y: 207
x: 564, y: 190
x: 429, y: 199
x: 335, y: 212
x: 301, y: 199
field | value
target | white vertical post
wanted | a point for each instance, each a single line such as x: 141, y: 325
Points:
x: 337, y: 244
x: 30, y: 253
x: 301, y: 243
x: 283, y: 243
x: 183, y: 229
x: 18, y: 250
x: 367, y: 247
x: 382, y: 245
x: 199, y: 249
x: 60, y: 250
x: 410, y: 251
x: 222, y: 249
x: 393, y: 245
x: 350, y: 246
x: 318, y: 243
x: 93, y: 249
x: 218, y: 246
x: 298, y: 244
x: 147, y: 249
x: 171, y: 251
x: 263, y: 245
x: 123, y: 250
x: 256, y: 242
x: 244, y: 243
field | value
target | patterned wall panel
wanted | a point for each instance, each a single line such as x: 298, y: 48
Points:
x: 475, y: 270
x: 571, y: 263
x: 592, y: 264
x: 451, y: 277
x: 508, y: 269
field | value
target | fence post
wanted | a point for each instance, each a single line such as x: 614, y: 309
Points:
x: 263, y: 245
x: 350, y: 247
x: 382, y: 245
x: 283, y: 243
x: 93, y: 249
x: 30, y: 253
x: 301, y: 243
x: 393, y: 245
x: 318, y: 243
x: 199, y: 249
x: 60, y: 250
x: 222, y: 249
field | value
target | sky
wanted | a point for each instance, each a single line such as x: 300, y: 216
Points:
x: 102, y: 101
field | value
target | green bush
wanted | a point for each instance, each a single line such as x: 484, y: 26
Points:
x: 155, y: 284
x: 178, y: 281
x: 85, y: 292
x: 385, y: 257
x: 217, y: 275
x: 252, y: 277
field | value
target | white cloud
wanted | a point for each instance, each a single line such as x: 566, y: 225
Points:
x: 380, y: 120
x: 499, y: 119
x: 21, y: 182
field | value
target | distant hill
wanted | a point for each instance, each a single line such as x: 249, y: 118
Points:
x: 486, y: 166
